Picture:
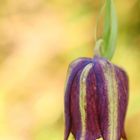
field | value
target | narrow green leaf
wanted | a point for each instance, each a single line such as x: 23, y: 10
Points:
x: 110, y: 30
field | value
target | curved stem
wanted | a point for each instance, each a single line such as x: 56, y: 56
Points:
x: 109, y: 31
x: 97, y: 50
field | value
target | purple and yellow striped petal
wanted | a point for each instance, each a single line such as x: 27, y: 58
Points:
x: 112, y: 99
x: 92, y: 122
x: 84, y: 118
x: 102, y: 99
x: 74, y: 67
x: 122, y: 80
x: 83, y: 101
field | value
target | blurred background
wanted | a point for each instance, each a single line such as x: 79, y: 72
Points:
x: 38, y: 39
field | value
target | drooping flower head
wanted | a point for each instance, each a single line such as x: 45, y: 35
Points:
x: 96, y: 98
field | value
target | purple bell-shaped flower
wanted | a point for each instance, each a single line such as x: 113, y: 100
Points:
x: 96, y: 98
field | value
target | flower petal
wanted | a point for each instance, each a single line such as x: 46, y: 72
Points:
x: 83, y: 101
x: 92, y: 121
x: 112, y: 89
x: 74, y: 67
x: 122, y: 80
x: 84, y: 119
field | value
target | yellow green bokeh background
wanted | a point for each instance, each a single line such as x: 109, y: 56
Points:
x: 38, y: 39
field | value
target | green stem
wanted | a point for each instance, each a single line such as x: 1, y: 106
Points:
x: 109, y: 31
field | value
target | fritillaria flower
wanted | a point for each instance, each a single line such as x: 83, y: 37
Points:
x: 96, y: 98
